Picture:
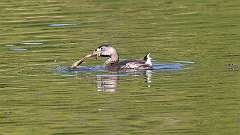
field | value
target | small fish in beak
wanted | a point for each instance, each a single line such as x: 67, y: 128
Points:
x: 77, y: 63
x: 96, y: 53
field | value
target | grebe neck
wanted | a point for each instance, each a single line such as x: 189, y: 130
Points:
x: 112, y: 60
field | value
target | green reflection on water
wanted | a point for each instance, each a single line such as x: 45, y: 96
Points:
x: 202, y: 99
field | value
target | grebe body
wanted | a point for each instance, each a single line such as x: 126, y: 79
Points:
x: 112, y: 62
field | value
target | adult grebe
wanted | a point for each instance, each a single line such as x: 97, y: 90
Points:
x: 112, y: 63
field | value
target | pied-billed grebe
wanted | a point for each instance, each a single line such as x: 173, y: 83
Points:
x: 106, y: 50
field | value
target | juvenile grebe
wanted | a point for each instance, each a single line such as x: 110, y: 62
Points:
x: 106, y: 50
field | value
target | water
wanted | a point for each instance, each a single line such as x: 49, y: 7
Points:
x: 38, y: 37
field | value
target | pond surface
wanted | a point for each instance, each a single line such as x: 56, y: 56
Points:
x: 39, y: 39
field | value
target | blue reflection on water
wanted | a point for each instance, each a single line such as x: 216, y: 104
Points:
x: 18, y: 49
x: 108, y: 80
x: 99, y: 68
x: 59, y: 24
x: 170, y: 66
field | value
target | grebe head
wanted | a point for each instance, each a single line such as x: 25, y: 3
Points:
x: 106, y: 50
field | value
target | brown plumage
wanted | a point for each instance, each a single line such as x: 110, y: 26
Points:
x: 106, y: 50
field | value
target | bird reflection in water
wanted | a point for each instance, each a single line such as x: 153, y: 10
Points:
x: 147, y: 77
x: 109, y: 82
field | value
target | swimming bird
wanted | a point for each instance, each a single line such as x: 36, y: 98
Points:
x: 113, y: 63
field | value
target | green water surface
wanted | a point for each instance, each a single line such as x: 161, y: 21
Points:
x: 201, y: 98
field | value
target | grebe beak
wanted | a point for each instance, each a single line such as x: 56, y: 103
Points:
x: 97, y: 53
